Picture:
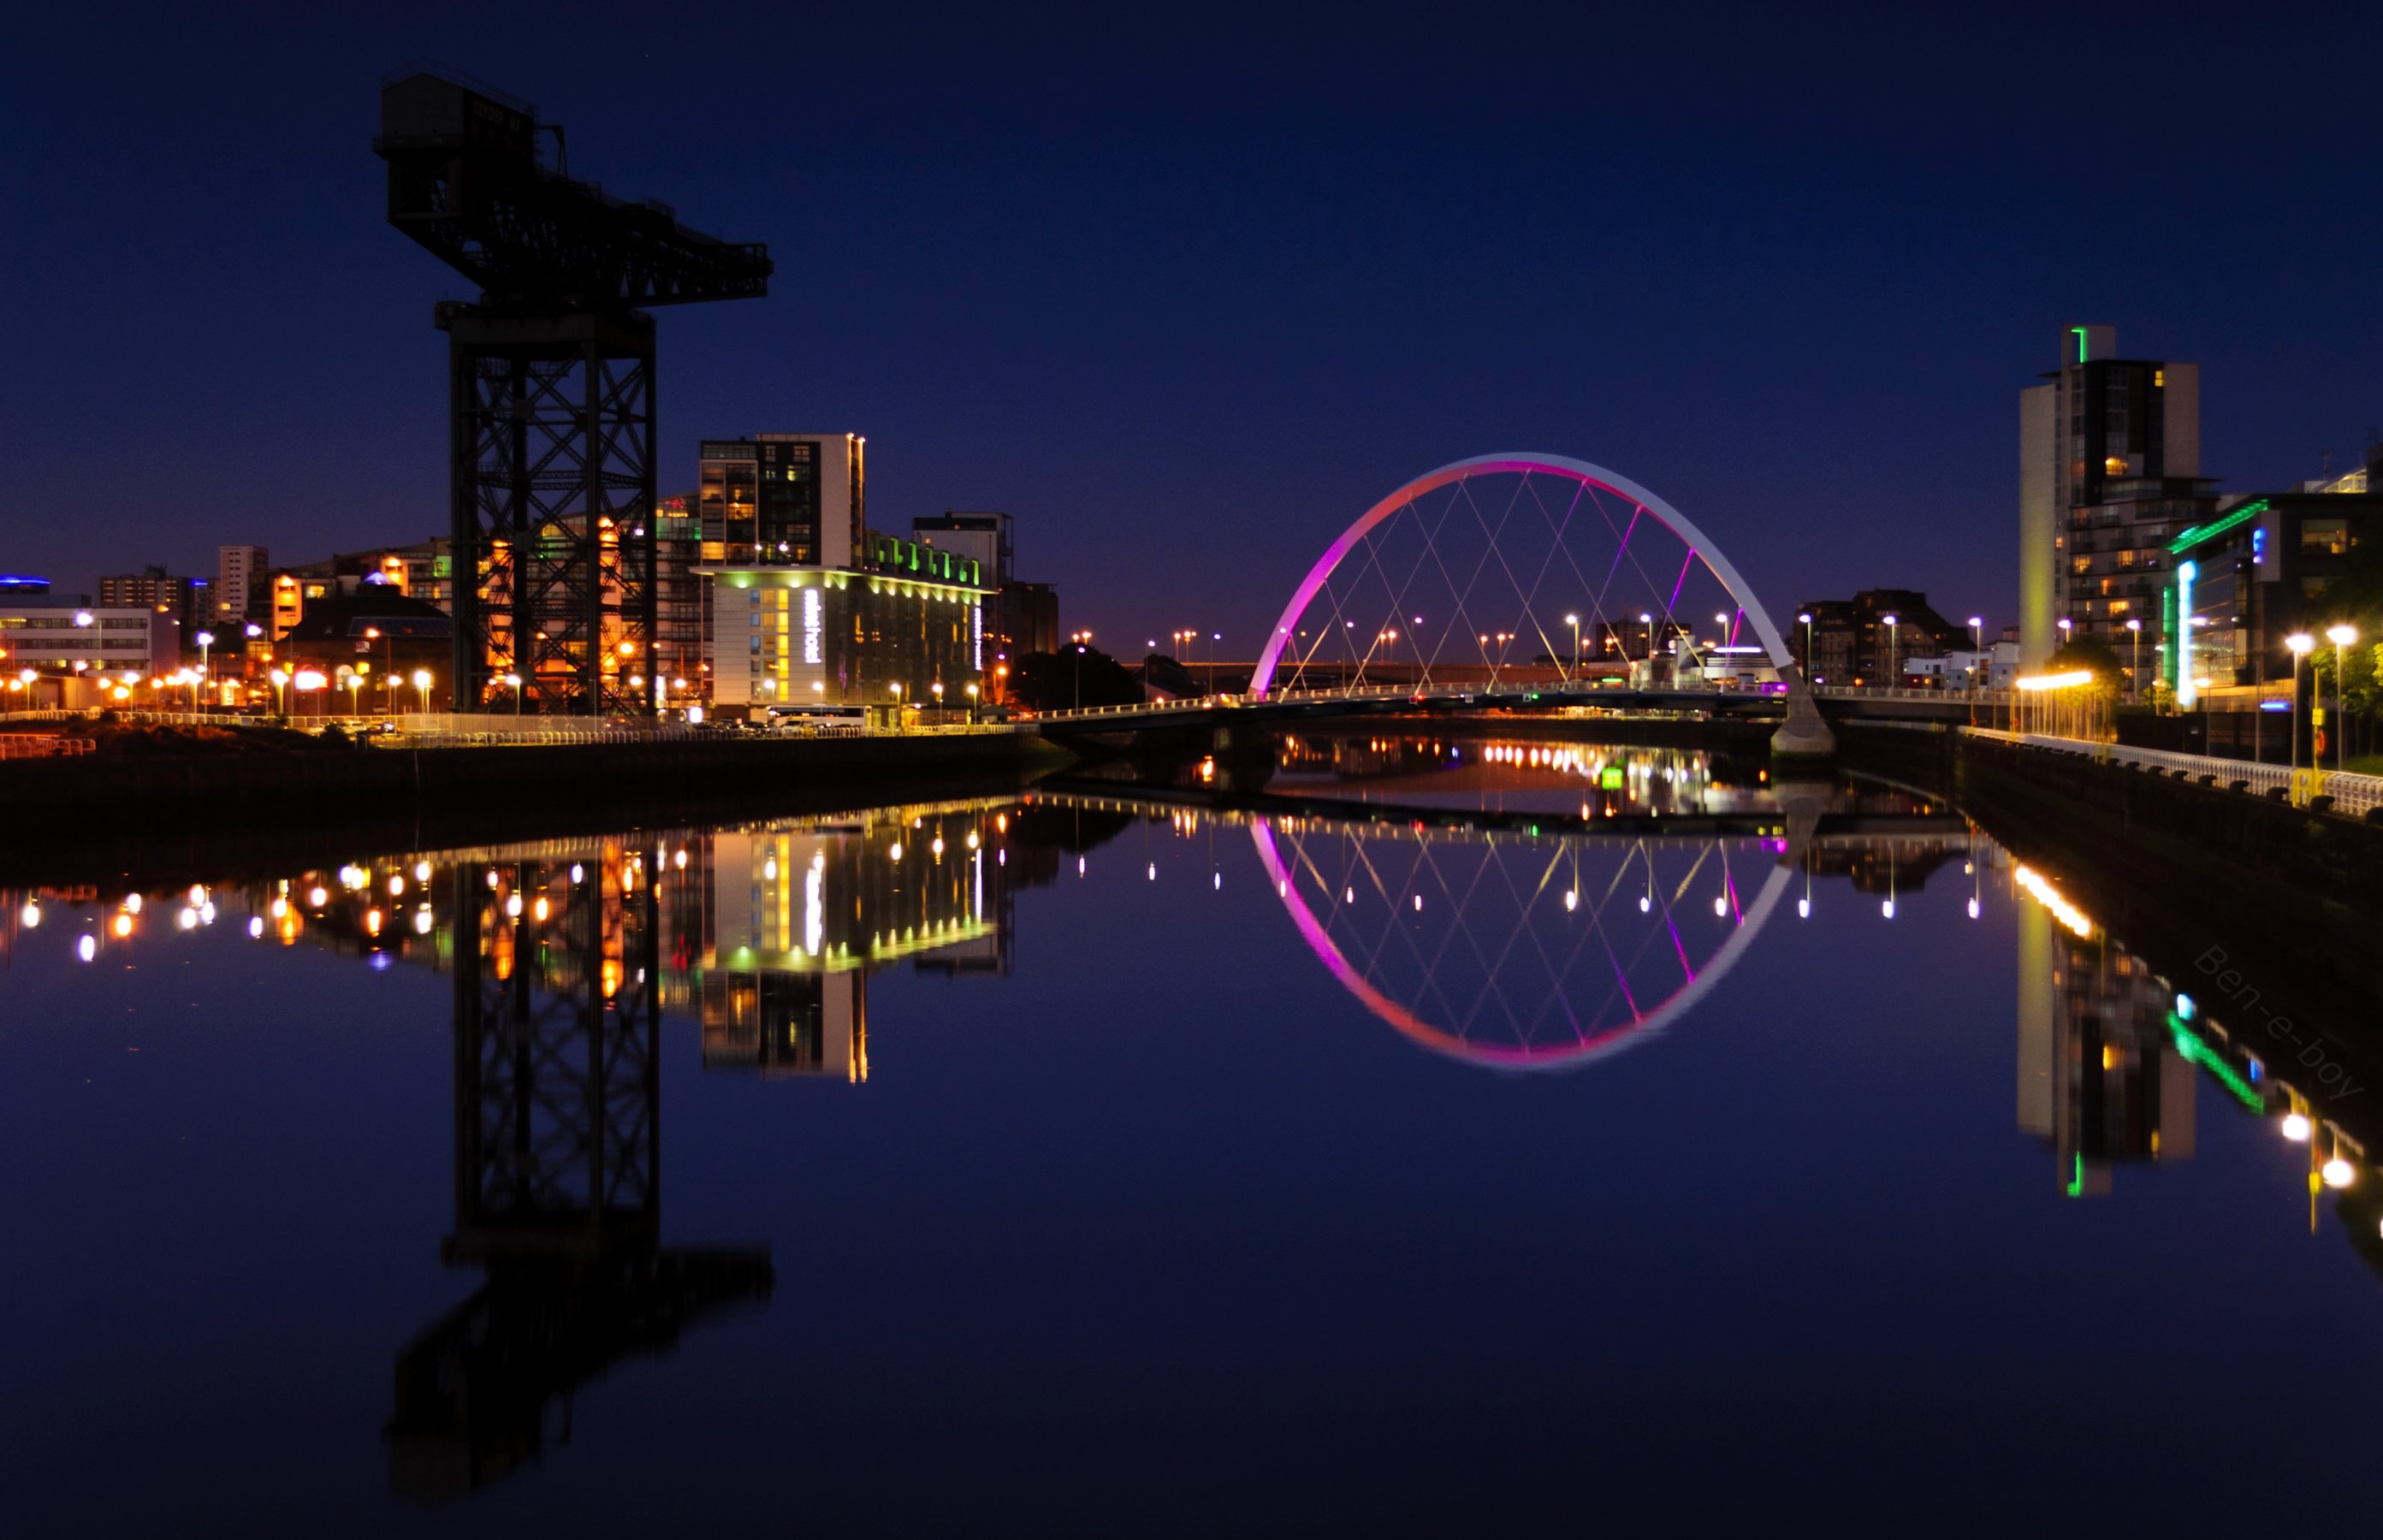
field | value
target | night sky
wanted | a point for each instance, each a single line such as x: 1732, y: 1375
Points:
x: 1187, y: 292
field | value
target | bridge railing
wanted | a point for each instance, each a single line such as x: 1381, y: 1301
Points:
x: 2354, y: 795
x: 1574, y: 694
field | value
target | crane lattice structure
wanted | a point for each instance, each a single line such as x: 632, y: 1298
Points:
x: 550, y: 390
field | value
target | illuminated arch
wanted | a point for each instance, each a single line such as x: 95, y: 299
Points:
x: 1578, y: 471
x: 1524, y: 1057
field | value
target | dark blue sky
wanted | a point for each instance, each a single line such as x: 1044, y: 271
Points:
x: 1187, y: 292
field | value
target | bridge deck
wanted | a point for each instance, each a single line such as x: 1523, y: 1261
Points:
x: 1284, y: 706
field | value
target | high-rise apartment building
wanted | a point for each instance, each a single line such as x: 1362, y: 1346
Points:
x: 789, y: 498
x: 188, y: 599
x: 2109, y: 474
x: 239, y: 582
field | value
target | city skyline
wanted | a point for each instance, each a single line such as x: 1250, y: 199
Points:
x: 1203, y: 302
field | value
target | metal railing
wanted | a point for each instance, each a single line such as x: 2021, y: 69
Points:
x: 2354, y: 795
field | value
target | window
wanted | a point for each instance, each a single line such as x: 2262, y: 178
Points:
x: 2083, y: 564
x: 2126, y: 559
x: 2325, y: 536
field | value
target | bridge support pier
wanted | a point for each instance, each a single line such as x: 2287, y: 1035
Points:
x: 1804, y: 736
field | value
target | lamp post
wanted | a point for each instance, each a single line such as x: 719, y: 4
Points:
x: 1648, y: 621
x: 2340, y: 636
x: 2299, y: 642
x: 1804, y: 618
x: 1079, y: 638
x: 2135, y: 675
x: 971, y: 695
x: 1891, y: 677
x: 280, y: 697
x: 1573, y: 662
x: 514, y: 681
x: 422, y: 684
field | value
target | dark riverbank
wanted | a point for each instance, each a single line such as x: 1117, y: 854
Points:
x: 2265, y: 912
x: 93, y: 819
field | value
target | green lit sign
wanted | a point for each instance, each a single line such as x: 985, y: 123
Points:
x: 1610, y: 778
x: 2199, y: 532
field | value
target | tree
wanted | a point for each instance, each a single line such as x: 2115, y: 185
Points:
x: 2091, y: 654
x: 1074, y: 676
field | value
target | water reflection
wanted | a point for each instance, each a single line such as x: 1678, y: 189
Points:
x: 1501, y: 936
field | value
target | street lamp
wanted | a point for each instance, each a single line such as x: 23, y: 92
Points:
x: 1573, y: 662
x: 1804, y: 618
x: 2340, y: 636
x: 2135, y: 675
x: 281, y: 698
x: 514, y: 680
x: 971, y: 695
x: 206, y: 639
x: 422, y: 683
x: 2299, y: 642
x: 1891, y: 677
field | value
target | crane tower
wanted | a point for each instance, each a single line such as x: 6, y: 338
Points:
x: 550, y: 394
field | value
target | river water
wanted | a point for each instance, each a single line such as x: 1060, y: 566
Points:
x: 1560, y: 1138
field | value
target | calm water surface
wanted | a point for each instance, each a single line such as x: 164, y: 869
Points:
x: 1093, y: 1161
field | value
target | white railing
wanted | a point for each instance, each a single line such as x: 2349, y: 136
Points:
x: 2353, y: 795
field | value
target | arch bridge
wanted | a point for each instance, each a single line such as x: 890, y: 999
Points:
x: 1586, y: 585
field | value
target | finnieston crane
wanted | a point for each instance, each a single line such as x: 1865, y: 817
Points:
x: 550, y: 389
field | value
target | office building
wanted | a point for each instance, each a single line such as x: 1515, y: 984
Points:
x: 2109, y: 475
x: 902, y: 625
x: 2250, y: 574
x: 62, y: 636
x: 240, y: 578
x: 1022, y: 617
x: 782, y: 499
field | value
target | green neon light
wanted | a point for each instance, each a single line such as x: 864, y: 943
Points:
x: 2199, y: 532
x: 2080, y: 342
x: 2193, y: 1050
x: 2077, y: 1183
x: 2186, y: 692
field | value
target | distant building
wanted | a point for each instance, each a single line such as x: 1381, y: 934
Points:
x: 190, y: 601
x: 1867, y: 639
x: 1992, y: 667
x: 60, y: 635
x: 240, y: 579
x: 377, y: 636
x: 2109, y: 474
x: 785, y: 498
x: 1023, y: 617
x: 682, y: 599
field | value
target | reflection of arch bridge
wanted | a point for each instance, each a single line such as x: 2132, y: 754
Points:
x: 1533, y: 940
x: 1508, y: 580
x: 1536, y: 951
